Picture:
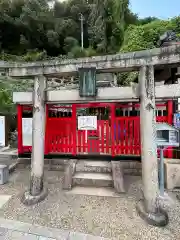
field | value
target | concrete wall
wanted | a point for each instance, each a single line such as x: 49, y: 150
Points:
x: 104, y: 94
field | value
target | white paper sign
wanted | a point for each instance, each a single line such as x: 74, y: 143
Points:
x: 173, y: 136
x: 2, y: 131
x: 27, y: 131
x: 87, y: 123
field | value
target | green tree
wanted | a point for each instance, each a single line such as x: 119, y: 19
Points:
x: 140, y: 37
x: 107, y: 24
x: 146, y: 36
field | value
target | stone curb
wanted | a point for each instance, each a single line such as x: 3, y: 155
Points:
x: 47, y: 232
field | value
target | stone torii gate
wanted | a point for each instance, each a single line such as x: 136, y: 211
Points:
x: 145, y: 62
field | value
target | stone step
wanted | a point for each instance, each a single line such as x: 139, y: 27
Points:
x: 92, y: 179
x: 54, y: 167
x: 132, y: 171
x: 93, y: 191
x: 93, y: 166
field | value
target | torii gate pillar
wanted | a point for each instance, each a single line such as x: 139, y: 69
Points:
x: 149, y: 208
x: 37, y: 191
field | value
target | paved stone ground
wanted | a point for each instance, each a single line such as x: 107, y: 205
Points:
x: 14, y: 230
x: 114, y: 218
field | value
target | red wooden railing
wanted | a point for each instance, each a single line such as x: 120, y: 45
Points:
x: 118, y: 136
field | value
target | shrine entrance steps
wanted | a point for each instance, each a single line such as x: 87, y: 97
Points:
x: 93, y: 173
x: 99, y: 178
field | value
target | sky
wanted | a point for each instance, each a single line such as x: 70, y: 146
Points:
x: 163, y: 9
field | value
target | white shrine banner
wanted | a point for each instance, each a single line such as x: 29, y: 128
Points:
x: 2, y: 131
x: 27, y: 131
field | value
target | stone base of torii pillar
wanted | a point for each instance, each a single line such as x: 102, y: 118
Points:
x: 28, y: 199
x: 159, y: 218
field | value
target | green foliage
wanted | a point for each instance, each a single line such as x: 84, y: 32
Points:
x: 7, y: 87
x: 107, y: 24
x: 90, y: 52
x: 77, y: 52
x: 146, y: 20
x: 32, y: 55
x: 70, y: 43
x: 140, y: 37
x: 146, y: 36
x: 26, y: 25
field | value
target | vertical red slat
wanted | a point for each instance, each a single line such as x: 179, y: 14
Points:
x: 88, y: 143
x: 51, y: 131
x: 74, y: 131
x: 170, y: 121
x: 118, y: 136
x: 108, y: 141
x: 92, y: 142
x: 126, y: 134
x: 139, y: 137
x: 58, y: 135
x: 131, y: 122
x: 53, y: 136
x: 19, y: 128
x: 46, y: 148
x: 79, y: 141
x: 98, y: 146
x: 65, y: 135
x: 69, y: 137
x: 84, y: 141
x: 112, y: 129
x: 115, y: 134
x: 48, y: 135
x: 122, y: 134
x: 55, y: 142
x: 135, y: 138
x: 102, y: 135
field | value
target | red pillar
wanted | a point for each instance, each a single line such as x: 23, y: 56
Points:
x: 75, y: 131
x: 113, y: 109
x: 46, y: 142
x: 19, y: 128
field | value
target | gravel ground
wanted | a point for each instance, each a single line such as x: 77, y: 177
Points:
x: 114, y: 218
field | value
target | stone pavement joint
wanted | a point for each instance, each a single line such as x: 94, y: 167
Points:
x: 15, y: 230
